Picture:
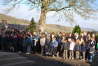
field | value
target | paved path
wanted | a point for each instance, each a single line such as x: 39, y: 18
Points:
x: 15, y: 59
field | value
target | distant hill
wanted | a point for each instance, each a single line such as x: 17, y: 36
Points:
x: 57, y: 28
x: 12, y: 20
x: 49, y: 27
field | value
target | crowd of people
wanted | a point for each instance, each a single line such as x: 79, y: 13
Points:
x: 67, y: 45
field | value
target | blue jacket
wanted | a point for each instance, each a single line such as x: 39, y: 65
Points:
x: 54, y: 43
x: 29, y: 41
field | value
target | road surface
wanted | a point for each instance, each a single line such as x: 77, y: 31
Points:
x: 15, y: 59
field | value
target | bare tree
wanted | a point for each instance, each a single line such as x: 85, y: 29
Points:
x: 81, y: 7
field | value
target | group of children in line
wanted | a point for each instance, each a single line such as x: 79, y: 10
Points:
x: 67, y: 45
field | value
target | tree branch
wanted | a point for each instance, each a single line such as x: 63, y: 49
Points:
x: 34, y: 2
x: 58, y: 9
x: 13, y: 5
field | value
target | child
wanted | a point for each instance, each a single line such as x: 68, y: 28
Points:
x: 83, y: 49
x: 71, y: 48
x: 54, y: 45
x: 77, y: 49
x: 92, y: 49
x: 65, y: 47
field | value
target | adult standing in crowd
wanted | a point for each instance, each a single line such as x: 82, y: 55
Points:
x: 35, y: 44
x: 29, y: 42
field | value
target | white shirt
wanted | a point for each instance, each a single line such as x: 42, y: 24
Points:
x: 42, y: 41
x: 72, y: 45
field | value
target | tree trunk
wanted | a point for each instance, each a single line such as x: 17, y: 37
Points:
x: 42, y: 17
x: 42, y: 20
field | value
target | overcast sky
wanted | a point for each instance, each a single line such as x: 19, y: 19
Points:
x: 24, y: 12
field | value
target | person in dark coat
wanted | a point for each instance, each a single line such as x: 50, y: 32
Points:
x: 29, y: 43
x: 35, y: 45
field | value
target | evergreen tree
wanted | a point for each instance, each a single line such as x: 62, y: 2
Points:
x: 76, y: 29
x: 32, y: 26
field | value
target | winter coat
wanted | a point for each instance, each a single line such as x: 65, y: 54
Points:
x: 29, y: 41
x: 54, y: 44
